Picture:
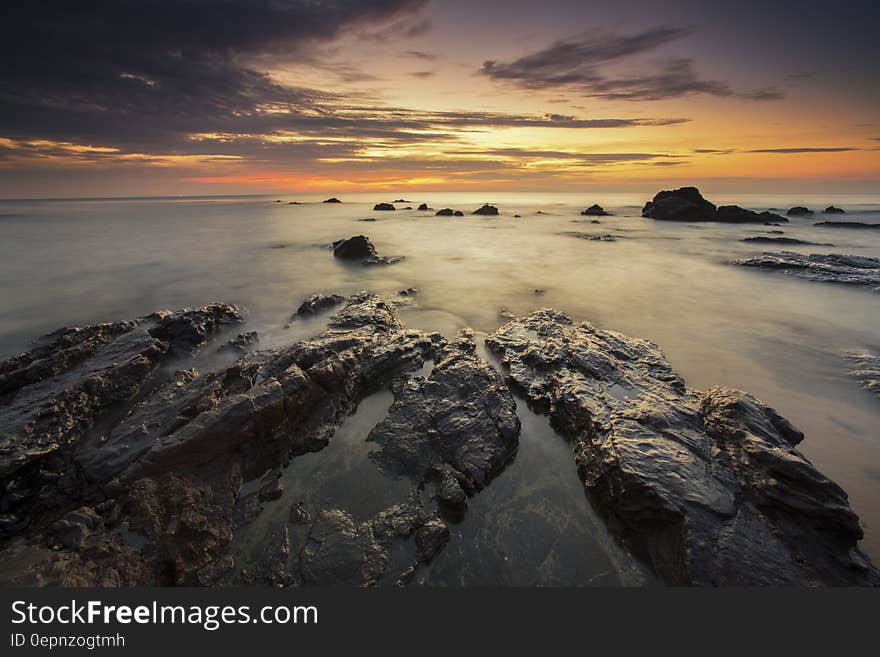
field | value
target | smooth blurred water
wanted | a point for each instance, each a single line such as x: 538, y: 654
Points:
x: 778, y: 337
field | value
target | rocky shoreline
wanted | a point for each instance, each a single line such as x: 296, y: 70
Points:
x: 122, y: 465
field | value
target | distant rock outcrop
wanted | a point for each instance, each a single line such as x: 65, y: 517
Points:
x: 595, y: 210
x: 833, y: 210
x: 856, y: 225
x: 332, y: 200
x: 684, y: 204
x: 384, y: 206
x: 448, y: 212
x: 487, y: 210
x: 781, y: 240
x: 799, y: 211
x: 423, y: 207
x: 687, y: 204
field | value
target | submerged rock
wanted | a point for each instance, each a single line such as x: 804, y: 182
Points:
x: 595, y: 211
x: 594, y: 237
x: 488, y: 210
x: 858, y: 225
x: 383, y: 206
x: 448, y: 212
x: 833, y: 210
x: 831, y: 268
x: 707, y: 486
x: 780, y: 240
x: 798, y: 211
x: 317, y: 303
x: 733, y: 214
x: 332, y: 200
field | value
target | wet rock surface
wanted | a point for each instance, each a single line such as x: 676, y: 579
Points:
x: 157, y: 482
x: 830, y: 268
x: 709, y: 487
x: 119, y: 470
x: 459, y: 421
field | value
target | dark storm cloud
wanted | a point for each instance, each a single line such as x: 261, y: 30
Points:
x: 582, y: 63
x: 143, y: 76
x: 146, y: 70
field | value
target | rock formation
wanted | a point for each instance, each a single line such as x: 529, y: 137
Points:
x: 831, y: 268
x: 799, y: 211
x: 709, y: 487
x: 687, y: 204
x: 595, y: 211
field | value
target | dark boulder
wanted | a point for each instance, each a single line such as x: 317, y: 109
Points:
x: 423, y: 207
x: 445, y: 212
x: 595, y: 211
x: 684, y: 204
x: 487, y: 210
x: 354, y: 248
x: 332, y: 200
x: 833, y: 210
x: 383, y: 206
x: 360, y: 248
x: 798, y: 211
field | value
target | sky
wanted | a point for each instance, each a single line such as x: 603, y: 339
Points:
x: 192, y: 97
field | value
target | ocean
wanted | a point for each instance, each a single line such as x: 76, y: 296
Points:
x: 780, y: 338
